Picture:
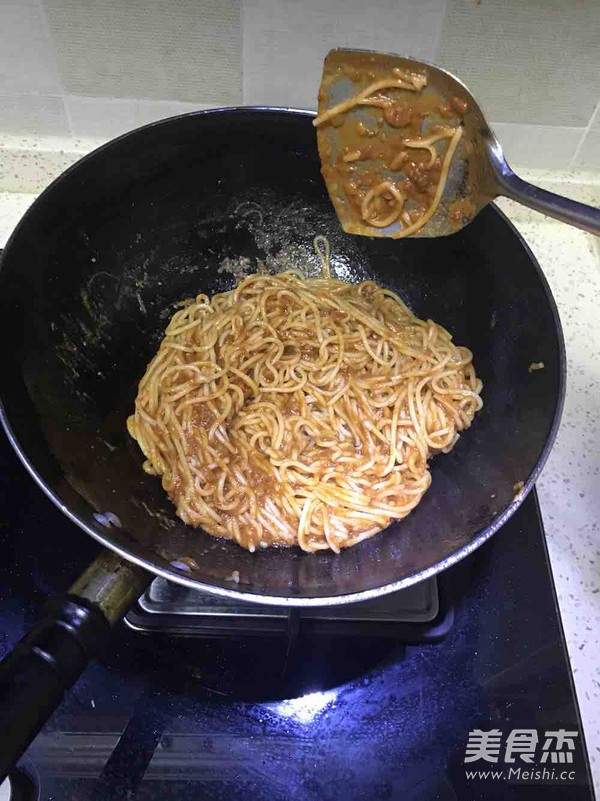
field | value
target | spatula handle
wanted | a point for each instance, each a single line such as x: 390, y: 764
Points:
x: 561, y: 208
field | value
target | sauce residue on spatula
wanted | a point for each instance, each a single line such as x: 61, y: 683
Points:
x: 386, y: 149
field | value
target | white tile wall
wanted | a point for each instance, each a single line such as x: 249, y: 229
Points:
x: 526, y: 61
x: 589, y: 156
x: 109, y: 117
x: 538, y: 146
x: 27, y: 59
x: 186, y: 50
x: 96, y: 68
x: 32, y: 114
x: 285, y: 41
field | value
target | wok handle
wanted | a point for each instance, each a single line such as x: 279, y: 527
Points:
x: 561, y: 208
x: 72, y: 630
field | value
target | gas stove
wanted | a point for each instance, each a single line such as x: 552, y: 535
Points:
x: 417, y: 696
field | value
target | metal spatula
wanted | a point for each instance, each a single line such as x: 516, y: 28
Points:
x: 477, y: 173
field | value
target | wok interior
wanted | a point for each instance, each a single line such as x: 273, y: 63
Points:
x: 91, y: 278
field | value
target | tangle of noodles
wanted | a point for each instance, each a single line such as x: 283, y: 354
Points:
x: 297, y: 411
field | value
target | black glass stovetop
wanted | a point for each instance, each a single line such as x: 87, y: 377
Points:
x: 291, y: 708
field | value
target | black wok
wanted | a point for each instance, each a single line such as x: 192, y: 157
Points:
x: 87, y: 283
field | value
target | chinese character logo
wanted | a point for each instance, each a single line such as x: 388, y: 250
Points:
x: 562, y: 740
x: 521, y: 744
x: 483, y: 745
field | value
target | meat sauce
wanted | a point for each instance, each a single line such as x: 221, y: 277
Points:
x: 375, y: 163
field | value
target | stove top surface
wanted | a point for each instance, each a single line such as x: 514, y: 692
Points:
x: 306, y: 713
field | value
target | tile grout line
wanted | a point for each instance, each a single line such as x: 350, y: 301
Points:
x: 586, y: 130
x: 242, y: 51
x: 53, y: 51
x: 68, y: 115
x: 44, y: 17
x: 438, y: 39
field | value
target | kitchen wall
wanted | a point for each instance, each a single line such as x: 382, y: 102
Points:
x: 96, y: 68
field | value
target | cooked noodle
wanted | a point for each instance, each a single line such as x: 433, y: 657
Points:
x: 364, y: 97
x: 301, y: 411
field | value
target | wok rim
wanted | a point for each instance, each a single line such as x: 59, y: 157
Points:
x: 289, y: 601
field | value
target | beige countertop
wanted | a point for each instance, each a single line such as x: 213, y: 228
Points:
x: 569, y: 486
